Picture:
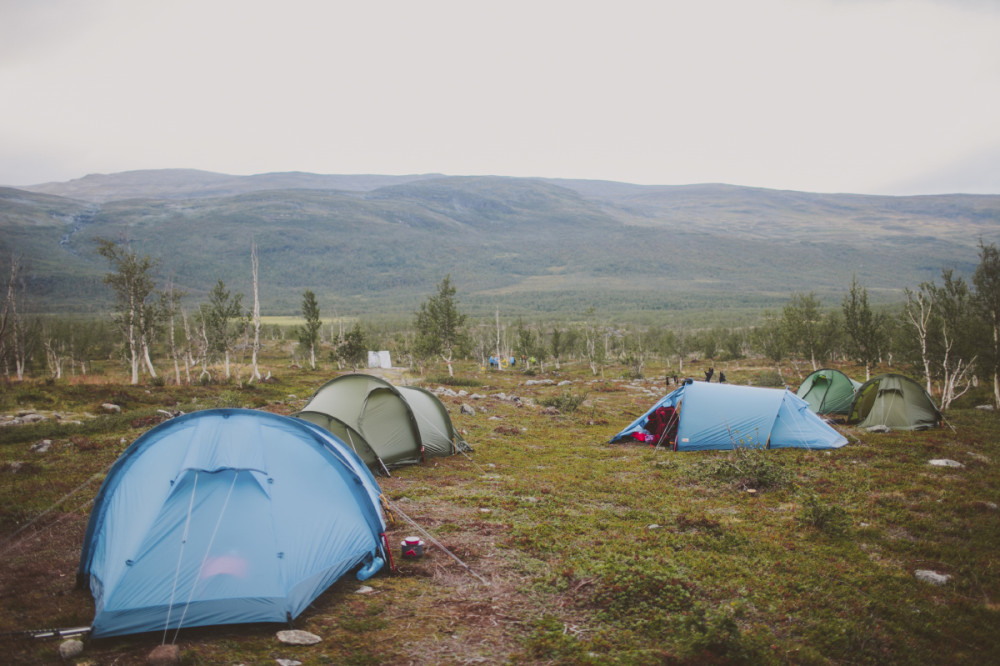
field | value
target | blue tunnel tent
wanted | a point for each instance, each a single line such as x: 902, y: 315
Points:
x: 705, y: 416
x: 227, y: 516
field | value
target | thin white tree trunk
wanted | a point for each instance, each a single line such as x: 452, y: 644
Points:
x: 256, y: 313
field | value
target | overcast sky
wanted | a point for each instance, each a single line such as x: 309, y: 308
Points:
x: 867, y: 96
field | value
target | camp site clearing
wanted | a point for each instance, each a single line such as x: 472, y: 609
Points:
x: 545, y: 543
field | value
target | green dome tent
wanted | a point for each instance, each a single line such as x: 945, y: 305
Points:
x: 893, y: 401
x: 387, y: 426
x: 828, y: 391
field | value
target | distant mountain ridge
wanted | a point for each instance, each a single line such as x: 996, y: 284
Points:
x: 373, y: 245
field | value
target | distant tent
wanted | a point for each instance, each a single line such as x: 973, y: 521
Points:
x: 379, y: 359
x: 227, y: 516
x: 828, y: 391
x: 893, y: 401
x: 727, y: 416
x: 389, y: 426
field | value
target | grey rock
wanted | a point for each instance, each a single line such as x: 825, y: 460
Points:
x: 298, y: 637
x: 164, y: 655
x: 71, y: 649
x: 932, y: 577
x: 42, y: 446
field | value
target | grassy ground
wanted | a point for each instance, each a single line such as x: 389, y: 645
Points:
x: 593, y: 553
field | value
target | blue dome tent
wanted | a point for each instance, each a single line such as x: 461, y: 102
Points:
x: 227, y: 516
x: 705, y: 416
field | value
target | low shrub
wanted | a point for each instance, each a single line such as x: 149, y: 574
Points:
x: 567, y: 402
x: 766, y: 378
x: 467, y: 382
x: 746, y: 468
x: 822, y: 515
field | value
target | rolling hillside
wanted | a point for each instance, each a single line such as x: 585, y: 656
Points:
x: 377, y: 245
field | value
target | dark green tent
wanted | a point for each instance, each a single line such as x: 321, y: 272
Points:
x: 828, y: 391
x: 388, y: 426
x: 893, y: 401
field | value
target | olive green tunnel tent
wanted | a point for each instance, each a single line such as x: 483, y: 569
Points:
x: 388, y: 426
x: 828, y: 391
x: 893, y: 401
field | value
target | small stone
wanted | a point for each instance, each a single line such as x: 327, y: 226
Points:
x: 71, y: 648
x: 164, y: 655
x: 932, y: 577
x: 364, y: 589
x: 289, y: 662
x: 467, y: 409
x: 42, y: 446
x: 111, y: 408
x: 298, y: 637
x: 985, y: 408
x: 945, y: 462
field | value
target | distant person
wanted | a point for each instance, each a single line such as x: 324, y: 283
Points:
x: 722, y: 377
x: 708, y: 374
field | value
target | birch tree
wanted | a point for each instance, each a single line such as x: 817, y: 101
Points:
x: 918, y: 311
x: 865, y: 328
x: 221, y: 317
x: 987, y: 299
x: 132, y: 282
x: 255, y: 315
x: 440, y: 326
x: 957, y: 357
x: 309, y: 333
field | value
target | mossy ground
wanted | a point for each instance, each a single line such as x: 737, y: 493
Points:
x: 594, y: 553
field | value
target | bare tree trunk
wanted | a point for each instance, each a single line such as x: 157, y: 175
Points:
x: 188, y: 355
x: 255, y: 375
x: 52, y: 358
x: 920, y: 320
x: 145, y: 356
x: 204, y: 356
x: 133, y: 340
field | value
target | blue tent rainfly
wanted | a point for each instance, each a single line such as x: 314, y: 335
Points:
x: 227, y: 516
x: 704, y: 416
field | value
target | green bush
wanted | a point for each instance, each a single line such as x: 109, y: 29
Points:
x: 825, y: 517
x: 746, y: 468
x: 468, y: 382
x: 566, y: 403
x: 766, y: 378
